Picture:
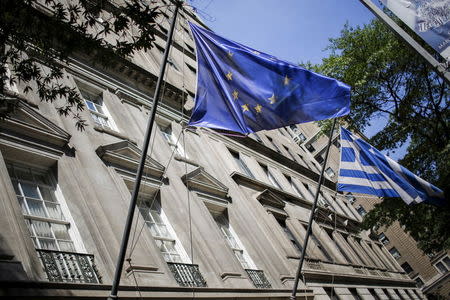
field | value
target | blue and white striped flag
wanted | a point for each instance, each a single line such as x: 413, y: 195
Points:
x: 364, y: 169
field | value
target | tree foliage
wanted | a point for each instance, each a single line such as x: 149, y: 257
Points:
x: 392, y: 82
x: 37, y: 38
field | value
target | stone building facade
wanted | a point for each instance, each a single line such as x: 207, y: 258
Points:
x: 220, y: 217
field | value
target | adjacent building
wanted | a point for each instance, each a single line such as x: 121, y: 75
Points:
x: 219, y: 217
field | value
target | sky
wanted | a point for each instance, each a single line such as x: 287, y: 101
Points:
x: 292, y: 30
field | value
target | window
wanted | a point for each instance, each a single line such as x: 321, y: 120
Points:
x: 270, y: 176
x: 191, y: 68
x: 164, y: 30
x: 289, y: 152
x: 161, y: 231
x: 290, y: 236
x: 394, y: 252
x: 320, y: 159
x: 294, y: 186
x: 173, y: 142
x: 375, y: 295
x: 233, y: 242
x: 355, y: 294
x: 350, y: 198
x: 383, y: 239
x: 257, y: 138
x: 319, y: 245
x: 331, y: 293
x: 191, y: 49
x: 47, y: 225
x: 441, y: 267
x: 337, y: 143
x: 94, y: 102
x: 330, y: 172
x: 310, y: 148
x: 361, y: 210
x: 419, y: 282
x: 241, y: 163
x: 406, y: 267
x: 273, y: 144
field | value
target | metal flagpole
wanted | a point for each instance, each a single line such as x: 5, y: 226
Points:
x: 438, y: 67
x: 140, y: 170
x: 311, y: 216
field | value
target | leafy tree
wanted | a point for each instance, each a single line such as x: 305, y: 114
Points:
x: 390, y: 81
x: 37, y: 38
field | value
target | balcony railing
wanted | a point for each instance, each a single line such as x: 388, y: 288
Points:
x: 69, y: 266
x: 187, y: 274
x: 259, y: 279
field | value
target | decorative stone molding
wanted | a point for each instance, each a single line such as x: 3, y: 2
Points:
x: 201, y: 181
x: 126, y: 155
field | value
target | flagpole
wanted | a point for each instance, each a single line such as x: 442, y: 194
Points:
x: 311, y: 215
x: 140, y: 170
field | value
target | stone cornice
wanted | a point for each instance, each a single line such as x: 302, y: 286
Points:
x: 125, y: 155
x: 202, y: 181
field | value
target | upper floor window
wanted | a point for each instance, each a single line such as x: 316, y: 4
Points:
x: 289, y: 235
x: 419, y: 282
x: 269, y: 175
x: 394, y: 252
x: 173, y: 141
x: 361, y: 210
x: 320, y: 159
x: 310, y: 148
x: 161, y: 230
x: 406, y: 267
x: 170, y: 61
x: 383, y: 238
x: 99, y: 113
x: 289, y: 152
x: 350, y: 198
x: 233, y: 241
x: 294, y: 186
x: 443, y: 265
x: 330, y: 172
x: 241, y: 163
x: 48, y: 226
x: 273, y: 144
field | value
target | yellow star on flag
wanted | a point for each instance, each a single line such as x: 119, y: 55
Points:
x: 230, y: 54
x: 245, y: 108
x: 258, y: 108
x: 286, y: 80
x: 235, y: 94
x: 229, y: 75
x: 272, y: 99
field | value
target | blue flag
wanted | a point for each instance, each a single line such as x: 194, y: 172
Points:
x: 242, y: 90
x: 364, y: 169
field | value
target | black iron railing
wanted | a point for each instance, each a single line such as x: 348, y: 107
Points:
x: 259, y: 279
x: 69, y: 266
x: 187, y: 274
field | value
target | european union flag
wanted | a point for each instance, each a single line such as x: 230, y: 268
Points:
x: 242, y: 90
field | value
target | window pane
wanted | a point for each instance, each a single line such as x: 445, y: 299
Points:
x: 30, y: 190
x: 446, y: 260
x: 36, y: 208
x: 66, y: 246
x: 42, y: 229
x: 440, y: 266
x: 163, y: 230
x: 23, y: 174
x: 60, y: 231
x: 54, y: 211
x: 48, y: 244
x: 47, y: 194
x: 154, y: 231
x: 90, y: 105
x: 22, y: 205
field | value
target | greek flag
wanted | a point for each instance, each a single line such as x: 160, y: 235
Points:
x: 364, y: 169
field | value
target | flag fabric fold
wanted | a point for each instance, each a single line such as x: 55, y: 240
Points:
x: 364, y: 169
x: 243, y: 90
